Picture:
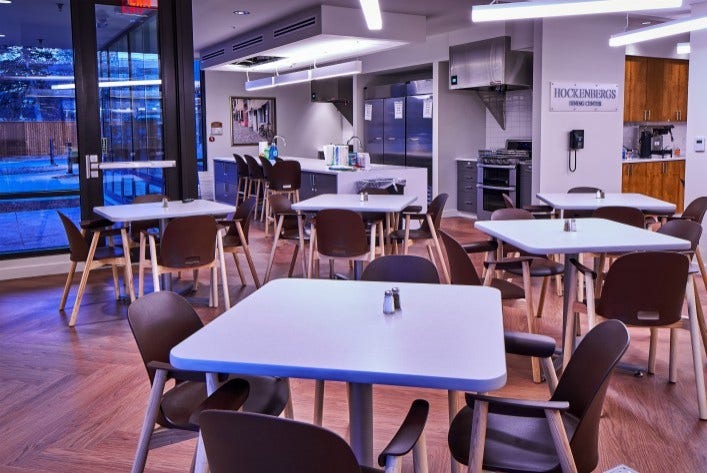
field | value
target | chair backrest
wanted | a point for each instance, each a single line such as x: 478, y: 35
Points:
x: 626, y: 215
x: 401, y: 268
x: 461, y: 269
x: 645, y: 289
x: 78, y: 248
x: 508, y: 201
x: 241, y: 166
x: 188, y: 242
x: 689, y: 230
x: 254, y: 443
x: 583, y: 190
x: 159, y: 321
x: 511, y: 214
x: 696, y: 209
x: 138, y: 226
x: 341, y: 233
x: 244, y: 212
x: 266, y: 166
x: 435, y: 210
x: 285, y: 176
x: 254, y: 169
x: 584, y: 383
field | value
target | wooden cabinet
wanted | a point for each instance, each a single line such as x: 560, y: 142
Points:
x: 664, y: 180
x: 466, y: 186
x: 315, y: 183
x: 655, y: 89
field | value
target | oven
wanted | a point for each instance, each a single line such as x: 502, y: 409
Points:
x: 494, y: 180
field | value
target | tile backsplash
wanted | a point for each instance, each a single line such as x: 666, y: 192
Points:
x: 519, y: 120
x: 631, y: 136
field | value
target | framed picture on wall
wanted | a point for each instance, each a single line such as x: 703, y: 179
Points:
x: 252, y: 120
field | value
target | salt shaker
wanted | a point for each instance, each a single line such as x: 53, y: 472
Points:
x: 396, y: 298
x: 599, y: 196
x: 567, y: 226
x: 573, y: 225
x: 165, y: 203
x: 388, y: 305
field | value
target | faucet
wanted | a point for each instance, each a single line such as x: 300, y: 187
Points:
x: 274, y: 138
x: 360, y: 143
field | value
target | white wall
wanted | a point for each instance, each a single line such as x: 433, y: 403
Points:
x: 578, y: 51
x: 306, y: 126
x: 696, y: 163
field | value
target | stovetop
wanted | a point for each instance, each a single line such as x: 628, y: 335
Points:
x: 506, y: 157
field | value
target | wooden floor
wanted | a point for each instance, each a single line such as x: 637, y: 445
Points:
x: 73, y: 399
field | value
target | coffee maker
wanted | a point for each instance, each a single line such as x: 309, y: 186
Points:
x: 658, y: 143
x: 645, y: 144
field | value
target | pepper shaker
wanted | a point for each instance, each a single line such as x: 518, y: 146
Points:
x: 567, y: 227
x: 388, y: 305
x: 165, y: 203
x: 573, y: 225
x: 396, y: 298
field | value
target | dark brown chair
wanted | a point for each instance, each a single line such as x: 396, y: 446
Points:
x: 581, y: 213
x: 188, y: 243
x: 254, y: 443
x: 401, y: 268
x: 430, y: 223
x: 647, y: 289
x: 584, y: 190
x: 341, y: 234
x: 527, y: 266
x: 286, y: 228
x: 159, y: 321
x: 285, y: 178
x: 562, y: 434
x: 695, y: 211
x: 236, y: 237
x: 462, y: 271
x: 256, y: 179
x: 266, y: 166
x: 94, y: 257
x: 243, y: 183
x: 538, y: 211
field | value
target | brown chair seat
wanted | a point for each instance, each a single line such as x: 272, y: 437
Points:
x: 509, y: 291
x: 539, y: 267
x: 107, y: 252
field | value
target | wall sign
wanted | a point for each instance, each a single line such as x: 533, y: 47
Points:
x: 583, y: 97
x: 216, y: 128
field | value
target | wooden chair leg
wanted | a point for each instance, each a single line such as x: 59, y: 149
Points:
x: 84, y: 277
x: 478, y: 436
x: 276, y: 238
x: 562, y: 444
x: 438, y: 247
x: 696, y: 353
x: 541, y: 301
x: 701, y: 264
x: 155, y: 266
x: 318, y: 402
x: 141, y: 267
x: 238, y: 269
x: 116, y: 281
x: 224, y: 279
x: 672, y: 359
x: 67, y: 285
x: 246, y: 252
x: 700, y: 316
x: 293, y: 261
x: 130, y: 284
x: 530, y: 316
x: 148, y: 423
x: 652, y: 347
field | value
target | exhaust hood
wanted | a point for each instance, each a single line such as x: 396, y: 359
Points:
x: 490, y: 68
x: 337, y: 91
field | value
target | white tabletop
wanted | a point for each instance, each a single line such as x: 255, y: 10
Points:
x: 375, y: 202
x: 565, y: 201
x: 155, y: 210
x: 592, y: 235
x: 446, y: 336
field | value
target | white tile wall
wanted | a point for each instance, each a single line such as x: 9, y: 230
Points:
x: 519, y: 121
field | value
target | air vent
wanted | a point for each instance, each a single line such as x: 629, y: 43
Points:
x: 256, y: 60
x: 291, y: 28
x: 217, y: 53
x: 248, y: 43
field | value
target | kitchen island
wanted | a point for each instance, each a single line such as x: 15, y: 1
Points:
x: 318, y: 179
x: 659, y: 177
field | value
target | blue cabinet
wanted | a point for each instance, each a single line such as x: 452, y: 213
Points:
x: 225, y: 181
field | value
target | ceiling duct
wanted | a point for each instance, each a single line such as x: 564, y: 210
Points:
x: 491, y: 68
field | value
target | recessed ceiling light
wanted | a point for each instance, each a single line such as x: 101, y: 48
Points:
x: 241, y: 12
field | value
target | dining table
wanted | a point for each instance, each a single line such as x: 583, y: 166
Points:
x: 390, y: 204
x: 162, y: 212
x: 563, y: 201
x: 444, y: 336
x: 591, y: 235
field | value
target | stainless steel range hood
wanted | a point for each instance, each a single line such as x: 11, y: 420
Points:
x: 491, y: 68
x: 337, y: 91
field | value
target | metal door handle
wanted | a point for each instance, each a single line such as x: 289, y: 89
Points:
x: 495, y: 188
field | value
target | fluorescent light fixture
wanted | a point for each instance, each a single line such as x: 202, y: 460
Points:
x: 5, y: 1
x: 292, y: 78
x: 683, y: 48
x: 670, y: 28
x: 116, y: 83
x: 337, y: 70
x: 555, y: 8
x: 372, y: 14
x: 258, y: 84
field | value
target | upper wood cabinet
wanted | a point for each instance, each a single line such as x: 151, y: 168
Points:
x: 655, y: 89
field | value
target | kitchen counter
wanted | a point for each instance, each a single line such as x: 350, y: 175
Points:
x: 653, y: 159
x: 344, y: 182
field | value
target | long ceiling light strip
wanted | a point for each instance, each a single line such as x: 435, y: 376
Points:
x: 683, y: 48
x: 556, y: 8
x: 115, y: 83
x: 372, y: 14
x: 324, y: 72
x: 663, y: 30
